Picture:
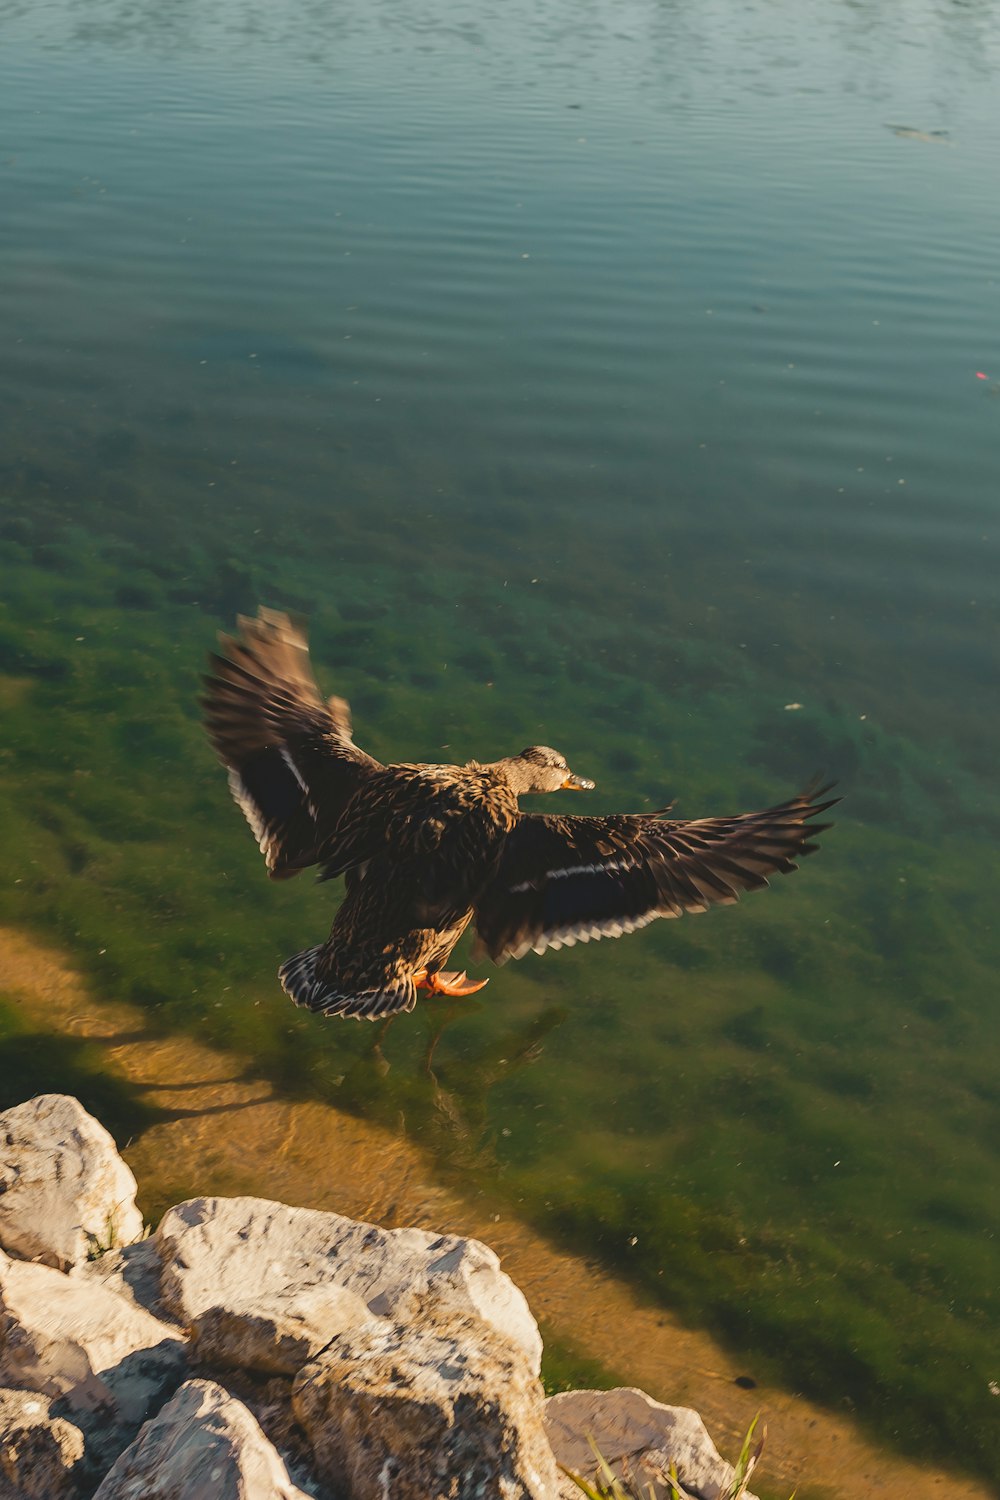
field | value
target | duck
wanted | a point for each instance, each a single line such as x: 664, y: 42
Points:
x: 427, y: 849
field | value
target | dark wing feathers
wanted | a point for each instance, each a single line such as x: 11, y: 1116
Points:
x: 568, y: 880
x: 293, y: 766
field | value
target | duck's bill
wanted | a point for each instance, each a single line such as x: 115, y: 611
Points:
x: 577, y: 784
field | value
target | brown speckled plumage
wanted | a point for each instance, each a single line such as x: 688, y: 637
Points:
x: 427, y: 848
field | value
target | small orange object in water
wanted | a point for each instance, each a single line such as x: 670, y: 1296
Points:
x: 981, y: 376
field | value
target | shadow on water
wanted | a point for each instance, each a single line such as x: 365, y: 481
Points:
x: 50, y: 1062
x: 453, y: 1117
x: 44, y: 1063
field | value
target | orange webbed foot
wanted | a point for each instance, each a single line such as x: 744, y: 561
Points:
x: 448, y: 982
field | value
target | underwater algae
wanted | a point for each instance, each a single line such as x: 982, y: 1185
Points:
x: 214, y: 1127
x: 762, y: 1128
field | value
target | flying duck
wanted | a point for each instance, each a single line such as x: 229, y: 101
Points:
x: 426, y: 849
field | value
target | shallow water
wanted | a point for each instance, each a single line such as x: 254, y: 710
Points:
x: 209, y: 1128
x: 605, y: 376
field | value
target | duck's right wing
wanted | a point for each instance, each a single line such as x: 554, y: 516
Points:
x: 562, y: 881
x: 293, y: 766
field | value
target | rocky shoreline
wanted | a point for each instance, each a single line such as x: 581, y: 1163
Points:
x: 261, y: 1352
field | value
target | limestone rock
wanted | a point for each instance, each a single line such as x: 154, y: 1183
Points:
x: 278, y: 1332
x: 462, y: 1276
x: 59, y: 1337
x: 132, y: 1272
x: 446, y: 1410
x: 214, y: 1249
x: 637, y: 1436
x: 203, y: 1445
x: 269, y: 1399
x: 63, y: 1186
x: 40, y: 1455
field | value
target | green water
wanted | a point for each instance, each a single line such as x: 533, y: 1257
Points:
x: 598, y: 375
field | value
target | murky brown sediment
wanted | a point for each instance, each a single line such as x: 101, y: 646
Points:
x: 228, y: 1135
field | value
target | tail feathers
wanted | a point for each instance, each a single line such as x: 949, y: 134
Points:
x: 304, y: 985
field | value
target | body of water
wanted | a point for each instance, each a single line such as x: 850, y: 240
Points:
x: 623, y: 377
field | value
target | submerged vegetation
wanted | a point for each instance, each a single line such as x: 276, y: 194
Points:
x: 779, y: 1120
x: 607, y: 377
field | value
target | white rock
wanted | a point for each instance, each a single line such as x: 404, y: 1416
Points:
x: 63, y: 1186
x: 277, y: 1332
x: 61, y: 1337
x: 448, y: 1409
x: 269, y: 1399
x: 636, y: 1435
x: 215, y: 1249
x: 133, y: 1272
x: 40, y: 1455
x: 203, y: 1445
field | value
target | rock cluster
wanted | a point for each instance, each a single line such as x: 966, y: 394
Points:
x: 252, y: 1351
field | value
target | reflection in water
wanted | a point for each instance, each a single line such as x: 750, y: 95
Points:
x: 669, y: 46
x: 456, y: 1120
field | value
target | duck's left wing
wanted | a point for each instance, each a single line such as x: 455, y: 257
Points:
x: 293, y: 764
x: 567, y: 880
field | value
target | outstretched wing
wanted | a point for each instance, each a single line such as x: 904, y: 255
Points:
x: 293, y: 766
x: 567, y: 880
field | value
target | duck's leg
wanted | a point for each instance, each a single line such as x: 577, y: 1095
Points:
x: 448, y: 982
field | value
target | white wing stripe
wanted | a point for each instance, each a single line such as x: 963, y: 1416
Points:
x: 250, y: 810
x: 289, y: 762
x: 598, y: 869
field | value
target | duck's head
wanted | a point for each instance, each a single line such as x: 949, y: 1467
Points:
x: 541, y: 769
